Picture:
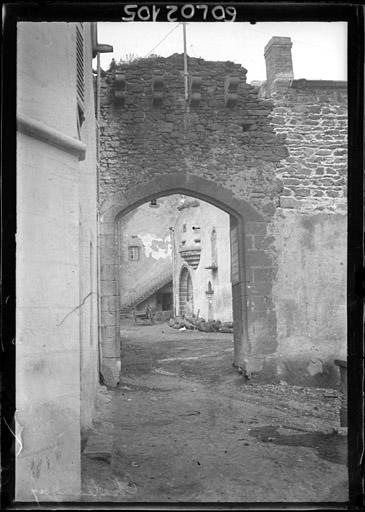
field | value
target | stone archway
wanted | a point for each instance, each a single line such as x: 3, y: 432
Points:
x: 251, y: 274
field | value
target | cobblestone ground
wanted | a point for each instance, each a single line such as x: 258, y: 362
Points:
x: 184, y: 426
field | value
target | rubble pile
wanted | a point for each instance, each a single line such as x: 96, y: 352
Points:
x: 200, y: 324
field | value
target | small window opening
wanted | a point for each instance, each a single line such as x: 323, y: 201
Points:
x: 184, y: 228
x: 213, y: 240
x: 133, y: 253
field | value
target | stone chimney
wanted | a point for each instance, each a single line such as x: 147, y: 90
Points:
x: 279, y: 65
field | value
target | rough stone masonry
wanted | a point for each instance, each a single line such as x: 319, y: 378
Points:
x: 276, y: 155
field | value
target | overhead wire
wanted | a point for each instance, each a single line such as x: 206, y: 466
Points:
x: 162, y: 40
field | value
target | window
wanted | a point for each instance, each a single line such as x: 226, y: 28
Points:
x: 213, y: 240
x: 133, y: 253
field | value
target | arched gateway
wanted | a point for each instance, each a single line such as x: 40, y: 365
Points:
x: 251, y: 284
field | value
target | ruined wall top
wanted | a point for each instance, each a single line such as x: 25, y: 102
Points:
x: 284, y: 146
x: 223, y: 134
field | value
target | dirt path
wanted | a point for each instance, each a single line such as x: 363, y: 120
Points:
x: 186, y: 427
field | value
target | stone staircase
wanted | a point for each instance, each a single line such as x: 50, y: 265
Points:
x: 146, y: 290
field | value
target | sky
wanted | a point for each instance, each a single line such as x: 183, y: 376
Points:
x: 319, y: 48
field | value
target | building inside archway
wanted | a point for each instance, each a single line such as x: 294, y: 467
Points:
x: 174, y: 258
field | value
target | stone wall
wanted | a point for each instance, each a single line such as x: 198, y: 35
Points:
x: 233, y: 146
x: 221, y: 148
x: 308, y: 233
x: 273, y: 157
x: 310, y: 296
x: 88, y: 313
x: 56, y: 338
x: 313, y: 117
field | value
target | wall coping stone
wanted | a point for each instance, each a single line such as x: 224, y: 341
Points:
x: 45, y: 133
x: 303, y: 83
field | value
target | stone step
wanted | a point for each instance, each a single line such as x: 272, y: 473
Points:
x: 99, y: 446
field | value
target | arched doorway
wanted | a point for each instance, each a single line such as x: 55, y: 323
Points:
x: 251, y: 274
x: 186, y: 298
x: 209, y: 293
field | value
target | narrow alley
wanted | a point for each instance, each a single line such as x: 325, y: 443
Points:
x: 184, y: 426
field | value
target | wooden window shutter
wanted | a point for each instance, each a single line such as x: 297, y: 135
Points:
x: 80, y: 63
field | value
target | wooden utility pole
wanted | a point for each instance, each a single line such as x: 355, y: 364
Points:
x: 186, y: 74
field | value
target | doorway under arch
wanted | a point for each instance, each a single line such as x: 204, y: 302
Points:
x: 251, y: 284
x: 186, y: 296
